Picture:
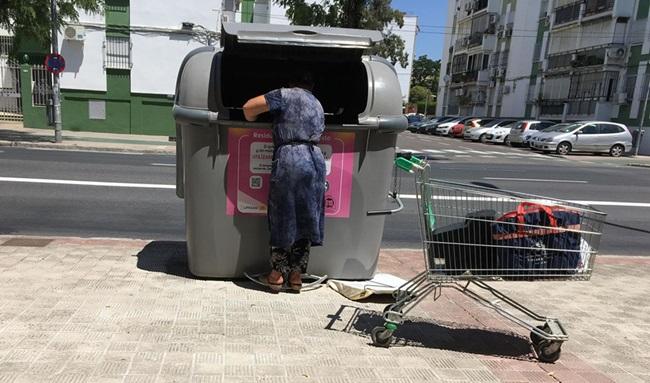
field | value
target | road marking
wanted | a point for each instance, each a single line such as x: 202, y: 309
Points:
x: 454, y: 151
x: 487, y: 156
x: 85, y: 183
x: 549, y: 202
x: 433, y: 151
x: 161, y: 164
x: 534, y: 180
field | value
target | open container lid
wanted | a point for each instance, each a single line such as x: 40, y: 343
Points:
x: 234, y: 34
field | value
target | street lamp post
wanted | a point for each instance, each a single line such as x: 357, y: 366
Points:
x: 56, y: 88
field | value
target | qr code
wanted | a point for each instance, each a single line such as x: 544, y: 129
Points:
x: 256, y: 182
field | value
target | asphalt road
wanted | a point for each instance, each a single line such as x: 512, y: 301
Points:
x: 31, y: 204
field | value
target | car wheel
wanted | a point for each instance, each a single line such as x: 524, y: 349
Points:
x: 563, y: 148
x: 617, y: 150
x: 507, y: 141
x: 482, y: 139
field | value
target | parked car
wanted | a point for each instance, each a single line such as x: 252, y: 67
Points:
x: 458, y: 130
x: 536, y: 133
x: 431, y: 124
x: 445, y: 128
x: 500, y: 135
x: 587, y: 136
x: 519, y: 134
x: 414, y: 120
x: 480, y: 133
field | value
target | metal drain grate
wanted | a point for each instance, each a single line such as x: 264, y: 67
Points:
x: 27, y: 242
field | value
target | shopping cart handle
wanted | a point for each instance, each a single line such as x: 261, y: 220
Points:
x: 399, y: 208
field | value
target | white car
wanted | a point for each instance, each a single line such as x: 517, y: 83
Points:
x: 445, y: 128
x: 499, y: 135
x: 480, y: 133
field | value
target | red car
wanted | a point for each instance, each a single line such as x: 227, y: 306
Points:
x: 458, y: 130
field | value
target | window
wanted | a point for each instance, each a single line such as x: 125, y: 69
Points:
x: 117, y: 53
x: 486, y: 61
x: 610, y: 129
x: 590, y: 129
x: 544, y: 125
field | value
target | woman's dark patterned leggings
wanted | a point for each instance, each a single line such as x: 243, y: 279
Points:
x: 294, y: 258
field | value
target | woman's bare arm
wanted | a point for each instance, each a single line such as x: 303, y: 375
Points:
x: 254, y: 107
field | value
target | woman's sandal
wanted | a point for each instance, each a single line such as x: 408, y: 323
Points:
x: 295, y: 287
x: 275, y: 287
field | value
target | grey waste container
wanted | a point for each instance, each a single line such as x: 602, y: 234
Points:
x: 224, y: 163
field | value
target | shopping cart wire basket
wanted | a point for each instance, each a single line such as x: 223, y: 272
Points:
x: 473, y: 234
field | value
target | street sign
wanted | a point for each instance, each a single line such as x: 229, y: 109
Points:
x: 54, y: 63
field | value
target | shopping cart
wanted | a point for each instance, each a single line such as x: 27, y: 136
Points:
x: 475, y: 234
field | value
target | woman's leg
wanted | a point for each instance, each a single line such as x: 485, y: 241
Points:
x: 280, y: 266
x: 299, y: 260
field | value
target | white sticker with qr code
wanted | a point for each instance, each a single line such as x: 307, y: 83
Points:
x: 256, y: 182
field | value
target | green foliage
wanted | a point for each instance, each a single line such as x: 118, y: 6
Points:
x: 360, y: 14
x: 418, y: 96
x: 31, y: 19
x: 426, y: 73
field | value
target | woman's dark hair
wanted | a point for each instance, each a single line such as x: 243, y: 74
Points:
x: 301, y: 77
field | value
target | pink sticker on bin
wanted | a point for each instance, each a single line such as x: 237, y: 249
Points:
x: 249, y: 171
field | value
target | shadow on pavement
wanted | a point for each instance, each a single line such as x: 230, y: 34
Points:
x: 169, y: 257
x: 419, y: 332
x: 17, y: 136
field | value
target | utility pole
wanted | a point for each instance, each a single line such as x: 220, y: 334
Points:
x: 56, y: 89
x: 426, y: 104
x: 639, y: 136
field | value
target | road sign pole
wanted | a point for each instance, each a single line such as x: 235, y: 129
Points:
x: 56, y: 89
x: 639, y: 135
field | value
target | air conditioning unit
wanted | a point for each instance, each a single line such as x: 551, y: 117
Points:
x: 509, y: 28
x: 617, y: 52
x: 459, y: 92
x: 74, y: 33
x: 506, y: 89
x: 492, y: 84
x: 501, y: 72
x: 493, y: 18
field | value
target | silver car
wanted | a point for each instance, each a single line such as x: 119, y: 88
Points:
x: 586, y: 136
x: 480, y: 133
x: 519, y: 134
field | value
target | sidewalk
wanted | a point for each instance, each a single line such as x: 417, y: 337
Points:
x: 102, y: 310
x: 16, y: 135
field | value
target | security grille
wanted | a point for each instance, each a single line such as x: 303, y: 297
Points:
x: 6, y: 45
x: 11, y: 107
x: 41, y: 86
x: 117, y: 53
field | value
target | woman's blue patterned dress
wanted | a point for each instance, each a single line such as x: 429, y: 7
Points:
x: 296, y: 200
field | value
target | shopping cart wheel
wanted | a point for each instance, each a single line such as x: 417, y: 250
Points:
x: 548, y: 351
x: 536, y: 339
x: 381, y: 336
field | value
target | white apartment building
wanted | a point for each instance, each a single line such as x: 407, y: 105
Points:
x: 556, y: 59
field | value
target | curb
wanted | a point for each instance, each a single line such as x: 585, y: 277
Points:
x: 639, y: 165
x: 120, y: 149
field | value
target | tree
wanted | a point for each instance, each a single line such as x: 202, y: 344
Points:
x: 31, y: 19
x: 423, y: 98
x: 426, y: 73
x: 361, y: 14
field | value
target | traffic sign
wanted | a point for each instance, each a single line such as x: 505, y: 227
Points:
x: 54, y: 63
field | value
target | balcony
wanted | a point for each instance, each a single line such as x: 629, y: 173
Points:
x: 471, y: 76
x: 595, y: 7
x: 568, y: 13
x: 584, y: 8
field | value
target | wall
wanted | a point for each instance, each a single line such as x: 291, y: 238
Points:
x: 84, y: 60
x: 408, y: 34
x: 449, y: 38
x: 157, y: 56
x: 157, y: 59
x: 170, y: 14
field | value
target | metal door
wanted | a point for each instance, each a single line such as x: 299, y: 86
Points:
x: 11, y: 107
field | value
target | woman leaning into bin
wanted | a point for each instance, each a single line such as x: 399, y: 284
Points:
x: 296, y: 199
